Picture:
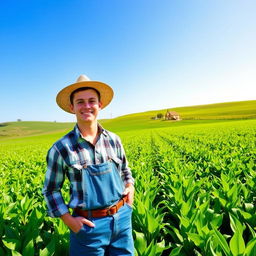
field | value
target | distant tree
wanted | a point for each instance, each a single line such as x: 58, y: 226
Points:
x: 18, y: 120
x: 159, y: 115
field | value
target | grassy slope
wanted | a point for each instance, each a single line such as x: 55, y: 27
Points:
x: 202, y: 113
x: 16, y: 129
x: 227, y: 110
x: 190, y: 115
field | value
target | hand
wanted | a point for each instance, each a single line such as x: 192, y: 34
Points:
x: 76, y: 223
x: 129, y: 191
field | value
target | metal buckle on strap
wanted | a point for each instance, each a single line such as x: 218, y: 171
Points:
x: 112, y: 210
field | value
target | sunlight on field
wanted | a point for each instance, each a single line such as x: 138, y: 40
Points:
x: 195, y: 191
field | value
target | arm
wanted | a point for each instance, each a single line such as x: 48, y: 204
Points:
x: 54, y: 179
x: 127, y: 175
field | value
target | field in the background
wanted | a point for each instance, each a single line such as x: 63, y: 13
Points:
x: 195, y: 191
x: 137, y: 121
x: 21, y: 129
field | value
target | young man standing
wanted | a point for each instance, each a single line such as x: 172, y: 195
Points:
x: 101, y: 183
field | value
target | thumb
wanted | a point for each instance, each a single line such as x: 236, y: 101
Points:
x: 88, y: 223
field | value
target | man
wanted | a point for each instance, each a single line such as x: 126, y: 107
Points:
x: 101, y: 184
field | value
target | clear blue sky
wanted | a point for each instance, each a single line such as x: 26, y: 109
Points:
x: 154, y: 53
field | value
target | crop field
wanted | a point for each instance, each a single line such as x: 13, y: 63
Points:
x: 195, y: 192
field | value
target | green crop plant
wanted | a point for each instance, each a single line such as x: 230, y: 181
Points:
x: 195, y: 192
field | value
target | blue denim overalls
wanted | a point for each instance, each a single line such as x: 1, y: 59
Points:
x: 112, y: 235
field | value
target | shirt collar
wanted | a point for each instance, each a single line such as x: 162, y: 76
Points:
x: 79, y: 135
x: 102, y: 130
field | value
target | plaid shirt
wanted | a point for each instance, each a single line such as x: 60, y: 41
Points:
x: 68, y: 156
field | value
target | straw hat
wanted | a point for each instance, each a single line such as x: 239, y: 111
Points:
x: 63, y: 97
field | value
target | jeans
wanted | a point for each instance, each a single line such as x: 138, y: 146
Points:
x: 111, y: 236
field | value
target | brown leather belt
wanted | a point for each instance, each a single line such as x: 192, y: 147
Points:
x: 102, y: 212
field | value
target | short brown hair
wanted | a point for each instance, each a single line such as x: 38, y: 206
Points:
x: 71, y: 97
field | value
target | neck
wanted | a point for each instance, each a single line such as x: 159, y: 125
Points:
x: 89, y: 131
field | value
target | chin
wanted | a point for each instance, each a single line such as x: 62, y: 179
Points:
x: 88, y: 119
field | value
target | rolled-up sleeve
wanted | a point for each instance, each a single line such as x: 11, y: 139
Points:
x: 53, y: 183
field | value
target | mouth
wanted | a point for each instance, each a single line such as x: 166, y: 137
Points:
x: 87, y: 112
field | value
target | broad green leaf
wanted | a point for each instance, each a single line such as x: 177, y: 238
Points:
x: 151, y: 249
x: 185, y: 207
x: 222, y: 242
x: 235, y: 224
x: 49, y: 249
x: 217, y: 220
x: 15, y: 253
x: 195, y: 238
x: 249, y: 207
x: 176, y: 251
x: 232, y: 193
x: 250, y: 249
x: 161, y: 246
x: 252, y: 231
x: 185, y: 222
x: 224, y: 182
x: 12, y: 244
x: 140, y: 242
x: 178, y: 234
x: 178, y: 195
x: 29, y: 249
x: 203, y: 207
x: 237, y: 244
x: 140, y: 207
x: 246, y: 215
x: 205, y: 230
x: 152, y: 223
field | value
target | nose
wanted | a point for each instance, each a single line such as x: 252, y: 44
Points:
x: 87, y: 104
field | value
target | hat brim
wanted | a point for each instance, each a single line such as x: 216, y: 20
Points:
x: 63, y: 97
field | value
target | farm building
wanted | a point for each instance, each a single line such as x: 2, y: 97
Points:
x: 172, y: 115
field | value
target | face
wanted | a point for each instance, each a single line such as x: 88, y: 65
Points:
x: 86, y: 106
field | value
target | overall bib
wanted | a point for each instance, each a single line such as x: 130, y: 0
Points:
x: 112, y: 235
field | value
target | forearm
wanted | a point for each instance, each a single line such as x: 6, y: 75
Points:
x: 55, y: 203
x: 54, y: 178
x: 67, y: 219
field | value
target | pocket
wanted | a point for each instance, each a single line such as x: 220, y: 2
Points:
x: 97, y: 170
x: 76, y: 233
x: 83, y: 230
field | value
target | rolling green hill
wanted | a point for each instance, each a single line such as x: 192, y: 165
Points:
x: 190, y: 115
x: 18, y: 129
x: 201, y: 113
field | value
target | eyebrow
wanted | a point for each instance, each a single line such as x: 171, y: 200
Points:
x: 91, y: 98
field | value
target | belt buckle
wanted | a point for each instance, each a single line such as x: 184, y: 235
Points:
x: 112, y: 210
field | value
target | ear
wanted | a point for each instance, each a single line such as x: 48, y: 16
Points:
x: 72, y: 108
x: 100, y: 104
